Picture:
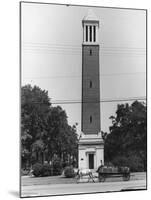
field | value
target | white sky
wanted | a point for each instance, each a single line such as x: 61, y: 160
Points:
x: 52, y: 59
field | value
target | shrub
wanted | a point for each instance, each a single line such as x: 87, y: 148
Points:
x: 132, y: 161
x: 135, y: 163
x: 47, y: 170
x: 37, y: 169
x: 24, y: 172
x: 69, y: 172
x: 120, y: 161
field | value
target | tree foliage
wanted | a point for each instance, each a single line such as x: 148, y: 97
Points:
x: 45, y: 132
x: 127, y: 139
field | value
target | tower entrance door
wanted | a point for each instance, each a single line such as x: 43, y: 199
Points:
x: 91, y: 161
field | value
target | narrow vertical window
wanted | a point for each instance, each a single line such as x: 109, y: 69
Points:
x: 90, y: 52
x: 90, y: 84
x: 86, y: 33
x: 90, y: 119
x: 90, y: 33
x: 94, y: 33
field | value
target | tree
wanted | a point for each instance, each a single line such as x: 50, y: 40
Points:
x: 127, y: 139
x: 61, y: 138
x: 45, y: 131
x: 25, y: 147
x: 35, y: 107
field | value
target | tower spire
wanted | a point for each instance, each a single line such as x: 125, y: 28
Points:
x: 90, y: 16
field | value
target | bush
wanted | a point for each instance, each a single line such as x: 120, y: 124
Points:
x: 132, y: 161
x: 120, y: 161
x: 135, y: 163
x: 69, y: 172
x: 37, y: 169
x: 24, y: 172
x: 47, y: 170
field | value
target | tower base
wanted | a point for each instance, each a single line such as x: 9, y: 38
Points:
x: 91, y: 151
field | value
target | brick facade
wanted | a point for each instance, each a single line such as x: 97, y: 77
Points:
x: 90, y: 89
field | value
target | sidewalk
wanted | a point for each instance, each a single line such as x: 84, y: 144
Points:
x: 26, y: 180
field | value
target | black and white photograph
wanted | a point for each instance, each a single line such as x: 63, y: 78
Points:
x: 83, y: 115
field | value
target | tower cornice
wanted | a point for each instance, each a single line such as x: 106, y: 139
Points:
x: 91, y: 44
x: 90, y: 21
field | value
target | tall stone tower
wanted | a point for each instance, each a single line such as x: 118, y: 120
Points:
x: 91, y: 147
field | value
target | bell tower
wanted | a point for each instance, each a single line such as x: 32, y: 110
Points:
x: 90, y: 75
x: 91, y: 147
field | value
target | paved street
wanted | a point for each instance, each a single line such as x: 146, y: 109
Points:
x: 44, y: 186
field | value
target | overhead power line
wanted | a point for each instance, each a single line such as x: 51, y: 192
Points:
x: 128, y: 55
x: 104, y: 50
x: 80, y: 76
x: 77, y: 50
x: 101, y: 101
x: 76, y: 46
